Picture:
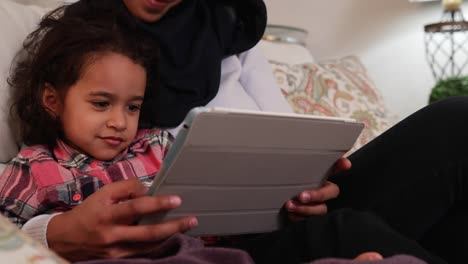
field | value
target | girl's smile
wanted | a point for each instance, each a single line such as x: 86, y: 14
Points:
x: 113, y: 141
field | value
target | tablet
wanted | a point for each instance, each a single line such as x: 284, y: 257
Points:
x: 235, y: 169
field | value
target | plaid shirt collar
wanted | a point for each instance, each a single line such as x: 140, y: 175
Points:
x: 69, y: 157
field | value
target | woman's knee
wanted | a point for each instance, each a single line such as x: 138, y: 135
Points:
x: 445, y: 119
x: 448, y: 108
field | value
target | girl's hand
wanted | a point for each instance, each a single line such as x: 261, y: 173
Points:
x: 312, y: 202
x: 101, y: 227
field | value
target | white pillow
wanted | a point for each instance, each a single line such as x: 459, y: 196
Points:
x: 16, y: 22
x: 288, y: 53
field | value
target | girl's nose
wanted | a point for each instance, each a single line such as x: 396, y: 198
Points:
x: 117, y: 120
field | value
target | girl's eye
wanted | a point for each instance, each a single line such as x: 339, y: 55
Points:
x: 134, y: 108
x: 100, y: 104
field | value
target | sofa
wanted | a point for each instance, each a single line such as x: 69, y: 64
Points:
x: 338, y: 87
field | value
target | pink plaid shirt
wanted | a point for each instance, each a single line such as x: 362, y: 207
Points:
x: 41, y: 180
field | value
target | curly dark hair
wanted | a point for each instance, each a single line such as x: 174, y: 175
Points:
x: 66, y: 41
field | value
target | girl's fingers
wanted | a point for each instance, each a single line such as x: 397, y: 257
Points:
x: 128, y: 211
x: 152, y: 233
x: 312, y: 202
x: 305, y: 210
x: 342, y: 164
x: 295, y: 217
x: 123, y: 190
x: 328, y: 191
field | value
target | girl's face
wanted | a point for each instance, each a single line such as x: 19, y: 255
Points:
x: 150, y: 10
x: 99, y: 113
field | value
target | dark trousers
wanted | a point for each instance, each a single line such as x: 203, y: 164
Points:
x: 406, y: 193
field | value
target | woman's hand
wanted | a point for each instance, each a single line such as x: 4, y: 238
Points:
x: 101, y: 227
x: 312, y: 202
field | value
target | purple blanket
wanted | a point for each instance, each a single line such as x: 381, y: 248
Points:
x: 188, y: 250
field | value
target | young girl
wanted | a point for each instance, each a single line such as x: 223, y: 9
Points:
x: 77, y: 96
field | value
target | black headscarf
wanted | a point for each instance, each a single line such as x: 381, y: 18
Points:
x: 194, y: 37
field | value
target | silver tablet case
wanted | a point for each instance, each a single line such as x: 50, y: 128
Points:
x: 234, y: 170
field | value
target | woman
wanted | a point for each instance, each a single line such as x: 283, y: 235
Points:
x: 208, y: 58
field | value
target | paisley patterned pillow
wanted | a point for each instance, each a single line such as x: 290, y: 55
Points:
x: 335, y: 88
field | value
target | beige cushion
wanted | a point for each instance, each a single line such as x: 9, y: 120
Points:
x: 340, y: 88
x: 16, y: 22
